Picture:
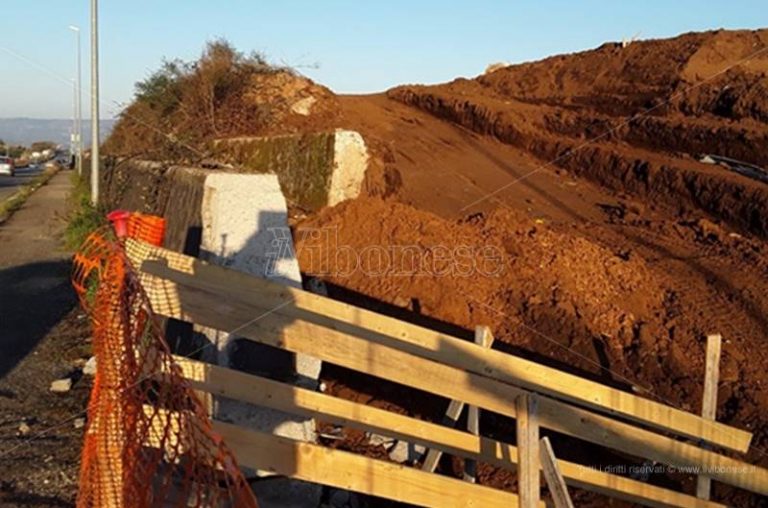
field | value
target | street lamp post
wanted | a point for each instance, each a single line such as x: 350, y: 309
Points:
x: 78, y: 107
x: 73, y: 136
x: 94, y: 102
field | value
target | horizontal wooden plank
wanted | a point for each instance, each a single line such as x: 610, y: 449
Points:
x: 294, y: 400
x: 448, y: 350
x: 344, y: 470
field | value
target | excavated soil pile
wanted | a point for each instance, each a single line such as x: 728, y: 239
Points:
x: 552, y: 294
x: 484, y: 270
x: 634, y: 118
x: 563, y: 204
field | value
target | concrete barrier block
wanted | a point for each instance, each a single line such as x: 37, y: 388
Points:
x: 314, y: 170
x: 245, y: 228
x: 350, y: 161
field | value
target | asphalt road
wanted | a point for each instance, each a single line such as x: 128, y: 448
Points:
x: 9, y: 185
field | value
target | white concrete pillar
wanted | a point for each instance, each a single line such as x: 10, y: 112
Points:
x: 245, y: 228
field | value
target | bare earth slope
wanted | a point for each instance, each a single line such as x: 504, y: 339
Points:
x: 621, y: 250
x: 633, y: 119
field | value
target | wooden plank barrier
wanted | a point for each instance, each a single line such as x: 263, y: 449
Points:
x: 383, y: 347
x: 221, y: 311
x: 291, y: 399
x: 339, y: 316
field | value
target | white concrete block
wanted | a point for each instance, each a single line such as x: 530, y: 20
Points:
x: 245, y: 228
x: 350, y: 160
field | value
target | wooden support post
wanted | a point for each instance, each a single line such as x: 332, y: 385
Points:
x: 709, y: 400
x: 528, y: 450
x: 449, y: 420
x: 483, y: 337
x: 554, y: 477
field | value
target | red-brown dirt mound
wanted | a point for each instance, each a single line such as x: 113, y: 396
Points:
x: 620, y: 80
x: 550, y: 293
x: 633, y: 118
x: 470, y: 272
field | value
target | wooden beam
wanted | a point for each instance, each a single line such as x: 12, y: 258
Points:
x: 552, y: 474
x: 711, y: 377
x: 709, y: 400
x: 450, y: 418
x: 291, y: 399
x: 430, y: 344
x: 222, y: 311
x: 527, y: 424
x: 483, y: 337
x: 344, y: 470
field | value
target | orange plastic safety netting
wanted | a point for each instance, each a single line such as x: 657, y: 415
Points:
x: 148, y: 440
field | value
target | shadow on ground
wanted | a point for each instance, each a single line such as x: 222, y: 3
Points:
x: 33, y: 298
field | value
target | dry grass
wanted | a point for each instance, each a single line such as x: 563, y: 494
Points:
x: 183, y: 105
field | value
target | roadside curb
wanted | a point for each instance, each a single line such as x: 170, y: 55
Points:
x: 13, y: 203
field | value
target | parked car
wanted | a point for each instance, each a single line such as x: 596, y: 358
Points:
x: 7, y: 167
x: 65, y: 160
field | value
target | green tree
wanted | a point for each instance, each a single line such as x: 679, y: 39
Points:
x: 39, y: 146
x: 16, y: 151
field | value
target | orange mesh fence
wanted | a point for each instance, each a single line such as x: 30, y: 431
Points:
x: 148, y: 441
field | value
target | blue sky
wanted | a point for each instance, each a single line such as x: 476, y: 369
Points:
x: 360, y: 46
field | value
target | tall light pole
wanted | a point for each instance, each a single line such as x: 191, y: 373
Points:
x: 73, y: 135
x: 94, y: 102
x: 78, y: 107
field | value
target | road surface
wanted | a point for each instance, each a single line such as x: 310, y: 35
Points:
x: 39, y: 465
x: 34, y: 270
x: 10, y: 184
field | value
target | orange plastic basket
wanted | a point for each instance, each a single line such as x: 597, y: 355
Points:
x: 147, y: 228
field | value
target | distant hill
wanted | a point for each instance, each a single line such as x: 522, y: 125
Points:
x: 24, y: 131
